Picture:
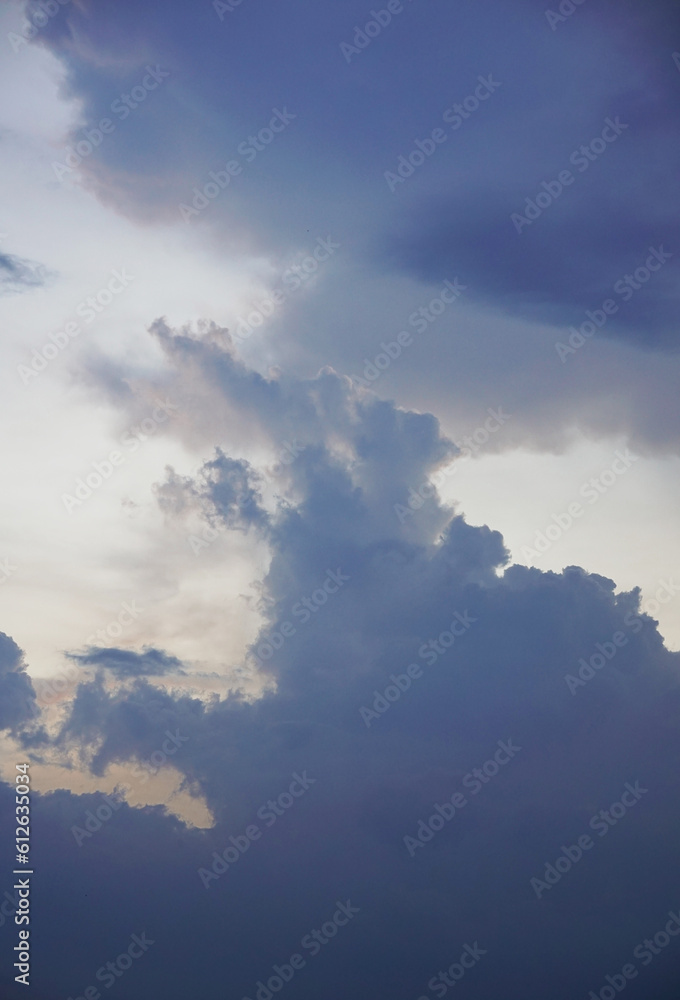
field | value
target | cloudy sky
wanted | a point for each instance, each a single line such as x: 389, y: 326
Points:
x: 339, y: 556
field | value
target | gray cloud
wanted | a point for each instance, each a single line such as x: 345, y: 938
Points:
x: 126, y: 663
x: 501, y: 677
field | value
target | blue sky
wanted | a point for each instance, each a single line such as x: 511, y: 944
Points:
x: 339, y: 531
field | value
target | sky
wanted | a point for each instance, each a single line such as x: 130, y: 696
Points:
x: 338, y: 539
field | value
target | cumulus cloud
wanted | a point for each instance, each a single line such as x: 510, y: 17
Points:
x: 223, y: 487
x: 397, y: 656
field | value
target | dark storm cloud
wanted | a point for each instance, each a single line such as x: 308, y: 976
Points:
x: 560, y: 269
x: 557, y: 88
x: 352, y: 598
x: 116, y: 726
